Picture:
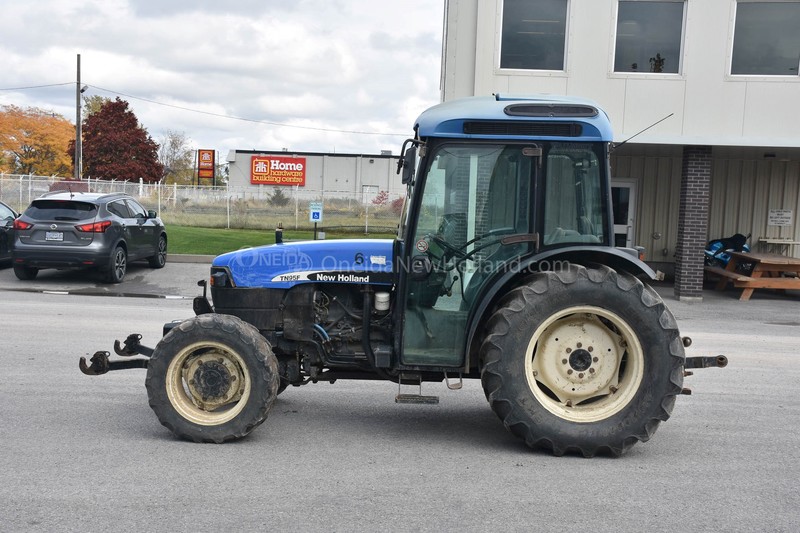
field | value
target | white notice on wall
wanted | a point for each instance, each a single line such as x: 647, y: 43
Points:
x: 780, y: 217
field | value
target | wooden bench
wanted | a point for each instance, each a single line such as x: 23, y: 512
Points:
x: 726, y: 276
x: 769, y: 271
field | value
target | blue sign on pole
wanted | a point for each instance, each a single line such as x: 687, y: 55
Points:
x: 315, y: 212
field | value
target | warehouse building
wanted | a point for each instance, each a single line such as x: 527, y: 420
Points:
x: 316, y: 175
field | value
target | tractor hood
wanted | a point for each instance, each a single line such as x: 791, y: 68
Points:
x: 282, y: 266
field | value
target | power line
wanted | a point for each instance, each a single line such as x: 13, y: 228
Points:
x: 209, y: 113
x: 36, y: 86
x: 231, y: 117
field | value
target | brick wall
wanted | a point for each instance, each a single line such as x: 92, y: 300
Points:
x: 692, y: 222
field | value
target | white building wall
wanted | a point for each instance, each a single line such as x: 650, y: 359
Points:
x: 710, y: 106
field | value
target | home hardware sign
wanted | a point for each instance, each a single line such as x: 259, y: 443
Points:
x: 278, y: 170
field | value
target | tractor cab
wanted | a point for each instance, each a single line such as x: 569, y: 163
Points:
x: 485, y: 203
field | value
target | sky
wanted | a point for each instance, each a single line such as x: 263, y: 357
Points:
x: 300, y: 75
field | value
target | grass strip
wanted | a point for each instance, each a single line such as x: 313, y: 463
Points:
x: 215, y: 241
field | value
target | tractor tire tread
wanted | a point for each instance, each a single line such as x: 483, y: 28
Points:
x: 527, y: 296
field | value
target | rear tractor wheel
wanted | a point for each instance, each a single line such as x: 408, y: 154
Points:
x: 213, y: 378
x: 584, y: 360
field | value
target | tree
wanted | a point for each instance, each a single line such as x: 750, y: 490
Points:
x: 381, y: 198
x: 33, y: 140
x: 177, y: 158
x: 397, y: 205
x: 116, y: 147
x: 278, y: 198
x: 93, y: 104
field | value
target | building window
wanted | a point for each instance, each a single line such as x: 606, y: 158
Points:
x: 649, y: 36
x: 766, y: 40
x: 533, y: 34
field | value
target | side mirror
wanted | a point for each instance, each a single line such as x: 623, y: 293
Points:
x: 407, y: 161
x: 151, y: 213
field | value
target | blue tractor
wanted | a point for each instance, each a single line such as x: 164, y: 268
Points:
x: 503, y: 269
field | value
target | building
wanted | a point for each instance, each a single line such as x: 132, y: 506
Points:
x: 705, y: 92
x: 316, y: 175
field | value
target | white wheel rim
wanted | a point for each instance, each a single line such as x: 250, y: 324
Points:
x: 584, y: 364
x: 222, y: 370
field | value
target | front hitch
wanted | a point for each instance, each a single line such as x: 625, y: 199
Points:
x: 132, y: 347
x: 100, y: 363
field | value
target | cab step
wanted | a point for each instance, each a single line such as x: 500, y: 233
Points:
x: 416, y: 398
x: 413, y: 380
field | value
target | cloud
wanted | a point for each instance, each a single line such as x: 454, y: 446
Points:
x: 354, y: 65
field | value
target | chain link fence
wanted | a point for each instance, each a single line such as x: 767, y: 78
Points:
x: 368, y: 211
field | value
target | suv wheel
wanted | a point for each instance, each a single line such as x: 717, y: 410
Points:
x: 160, y: 259
x: 25, y: 273
x: 115, y: 271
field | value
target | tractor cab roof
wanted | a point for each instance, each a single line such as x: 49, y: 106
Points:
x: 545, y: 117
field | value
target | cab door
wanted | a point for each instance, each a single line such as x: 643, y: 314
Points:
x: 472, y: 196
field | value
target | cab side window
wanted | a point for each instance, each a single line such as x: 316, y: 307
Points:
x: 573, y: 208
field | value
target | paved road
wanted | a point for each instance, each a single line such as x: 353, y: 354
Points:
x: 87, y: 454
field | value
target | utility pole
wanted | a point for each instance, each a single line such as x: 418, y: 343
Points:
x: 78, y: 147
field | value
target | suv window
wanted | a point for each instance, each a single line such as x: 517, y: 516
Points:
x: 137, y: 210
x: 6, y: 213
x: 60, y: 210
x: 119, y: 208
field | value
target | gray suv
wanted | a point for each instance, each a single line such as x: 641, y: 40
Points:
x: 87, y: 230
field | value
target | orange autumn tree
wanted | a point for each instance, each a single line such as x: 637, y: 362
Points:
x: 34, y: 141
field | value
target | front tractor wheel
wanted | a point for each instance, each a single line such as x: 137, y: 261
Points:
x: 585, y: 360
x: 213, y: 378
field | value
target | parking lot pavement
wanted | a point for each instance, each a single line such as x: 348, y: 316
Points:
x: 86, y: 454
x: 178, y: 279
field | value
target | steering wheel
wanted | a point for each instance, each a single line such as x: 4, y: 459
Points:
x: 460, y: 252
x: 454, y: 251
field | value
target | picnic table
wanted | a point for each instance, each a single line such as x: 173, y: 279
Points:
x: 778, y: 244
x: 763, y: 271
